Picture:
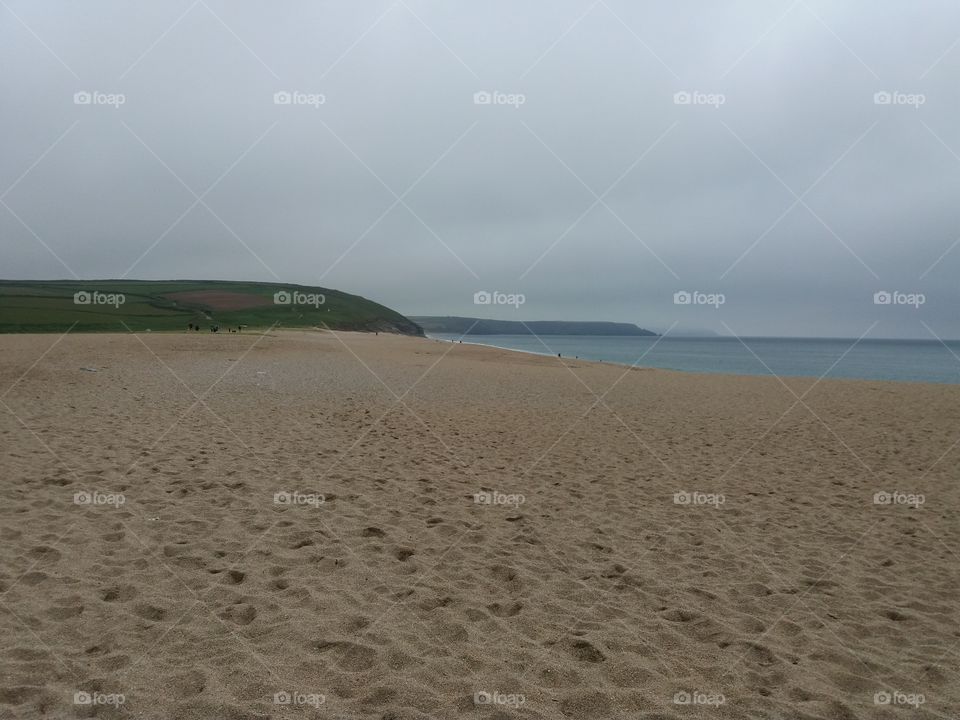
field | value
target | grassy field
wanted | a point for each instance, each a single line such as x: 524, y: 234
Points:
x: 139, y: 305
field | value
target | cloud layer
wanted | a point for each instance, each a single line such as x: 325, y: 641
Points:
x: 597, y: 157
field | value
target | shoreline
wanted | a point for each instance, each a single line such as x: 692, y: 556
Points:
x: 768, y: 375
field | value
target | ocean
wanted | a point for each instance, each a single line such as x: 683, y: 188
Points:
x: 901, y: 360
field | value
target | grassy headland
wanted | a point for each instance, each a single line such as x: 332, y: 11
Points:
x: 112, y: 305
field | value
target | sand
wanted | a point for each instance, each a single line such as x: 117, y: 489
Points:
x: 579, y: 586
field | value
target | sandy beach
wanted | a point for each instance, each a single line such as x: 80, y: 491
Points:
x: 303, y: 524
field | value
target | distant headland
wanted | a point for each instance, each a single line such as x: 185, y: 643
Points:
x: 478, y: 326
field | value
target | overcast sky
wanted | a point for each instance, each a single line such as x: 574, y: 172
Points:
x: 777, y: 177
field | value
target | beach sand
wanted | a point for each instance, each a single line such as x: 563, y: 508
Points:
x: 580, y: 586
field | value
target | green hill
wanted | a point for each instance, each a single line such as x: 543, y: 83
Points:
x: 108, y: 305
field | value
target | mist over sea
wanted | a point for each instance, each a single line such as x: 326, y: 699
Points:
x: 929, y: 361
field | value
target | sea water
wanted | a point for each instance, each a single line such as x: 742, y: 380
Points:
x: 901, y: 360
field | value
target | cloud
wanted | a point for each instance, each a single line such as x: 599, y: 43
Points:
x: 625, y: 153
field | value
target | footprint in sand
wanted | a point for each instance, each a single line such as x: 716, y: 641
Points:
x: 348, y: 656
x: 234, y: 577
x: 434, y: 603
x: 34, y: 578
x: 356, y: 624
x: 150, y: 612
x: 45, y: 553
x: 508, y: 576
x: 239, y: 613
x: 680, y: 615
x: 114, y: 662
x: 118, y: 593
x: 506, y: 610
x: 65, y: 612
x: 585, y: 651
x: 23, y: 654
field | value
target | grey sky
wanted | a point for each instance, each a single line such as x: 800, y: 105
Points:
x: 506, y: 197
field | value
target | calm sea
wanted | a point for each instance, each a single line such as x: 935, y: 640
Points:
x: 903, y: 360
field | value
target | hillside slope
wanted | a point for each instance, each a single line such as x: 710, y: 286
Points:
x: 115, y: 305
